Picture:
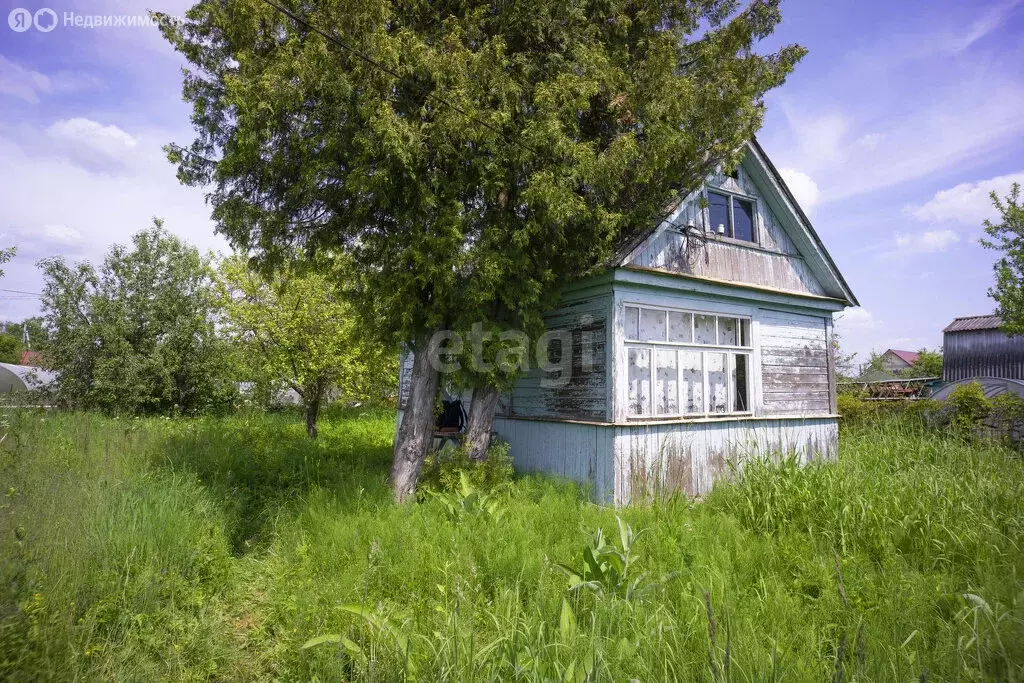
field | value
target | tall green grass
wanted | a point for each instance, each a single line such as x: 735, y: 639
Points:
x: 217, y: 548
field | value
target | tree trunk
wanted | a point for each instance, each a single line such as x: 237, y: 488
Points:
x: 481, y: 421
x: 312, y: 413
x: 415, y: 434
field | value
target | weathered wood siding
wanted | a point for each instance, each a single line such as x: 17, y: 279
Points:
x: 581, y: 452
x: 796, y: 364
x: 689, y: 458
x: 583, y: 393
x: 773, y: 261
x: 625, y: 463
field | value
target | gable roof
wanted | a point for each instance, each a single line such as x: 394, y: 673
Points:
x: 786, y: 208
x: 969, y: 323
x: 908, y: 357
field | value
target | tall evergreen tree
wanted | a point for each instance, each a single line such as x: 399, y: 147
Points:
x: 471, y: 156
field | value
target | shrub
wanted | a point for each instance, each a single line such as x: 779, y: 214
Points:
x: 965, y: 408
x: 443, y: 470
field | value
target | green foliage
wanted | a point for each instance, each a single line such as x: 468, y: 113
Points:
x: 965, y: 408
x: 10, y: 349
x: 854, y: 409
x: 467, y: 499
x: 297, y: 329
x: 445, y: 469
x: 6, y: 255
x: 928, y: 364
x: 1007, y: 236
x: 216, y: 548
x: 32, y: 328
x: 501, y: 151
x: 607, y: 569
x: 137, y: 336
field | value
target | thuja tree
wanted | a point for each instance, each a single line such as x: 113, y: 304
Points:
x: 296, y: 328
x: 471, y: 157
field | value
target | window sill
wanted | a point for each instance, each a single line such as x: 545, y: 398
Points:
x: 696, y: 417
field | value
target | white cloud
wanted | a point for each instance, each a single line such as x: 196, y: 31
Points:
x: 28, y: 85
x: 803, y: 186
x: 870, y: 140
x: 109, y: 140
x: 988, y: 22
x: 56, y: 205
x: 925, y: 242
x: 966, y: 203
x: 61, y: 234
x: 857, y: 318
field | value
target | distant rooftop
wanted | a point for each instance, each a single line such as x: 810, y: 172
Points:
x: 908, y: 357
x: 974, y: 322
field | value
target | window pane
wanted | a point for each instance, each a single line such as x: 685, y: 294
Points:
x: 718, y: 212
x: 704, y: 329
x: 743, y: 217
x: 739, y: 383
x: 666, y: 383
x: 718, y: 383
x: 727, y: 332
x: 680, y: 327
x: 639, y: 382
x: 632, y: 322
x: 744, y: 332
x: 691, y: 382
x: 652, y: 325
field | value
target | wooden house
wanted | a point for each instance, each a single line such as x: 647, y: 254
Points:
x: 895, y: 361
x: 706, y: 341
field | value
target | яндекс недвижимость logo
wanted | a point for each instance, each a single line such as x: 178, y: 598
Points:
x: 21, y: 19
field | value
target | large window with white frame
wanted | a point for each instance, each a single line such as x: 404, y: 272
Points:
x: 686, y: 363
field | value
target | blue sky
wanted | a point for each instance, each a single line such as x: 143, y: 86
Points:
x: 891, y: 133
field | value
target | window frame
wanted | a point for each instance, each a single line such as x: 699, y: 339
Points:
x: 651, y: 347
x: 730, y: 228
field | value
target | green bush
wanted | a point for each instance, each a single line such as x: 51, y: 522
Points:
x: 965, y: 408
x: 443, y: 469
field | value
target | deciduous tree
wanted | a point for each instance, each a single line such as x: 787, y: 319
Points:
x: 472, y: 157
x: 136, y: 336
x: 1007, y: 236
x: 297, y: 328
x: 928, y: 364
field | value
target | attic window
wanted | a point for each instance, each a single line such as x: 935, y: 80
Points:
x: 731, y: 216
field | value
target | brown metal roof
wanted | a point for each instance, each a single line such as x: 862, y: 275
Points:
x: 974, y: 322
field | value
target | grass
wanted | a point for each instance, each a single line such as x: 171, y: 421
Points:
x: 216, y: 548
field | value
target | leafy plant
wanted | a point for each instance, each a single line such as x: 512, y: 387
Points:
x: 467, y: 499
x: 607, y: 569
x: 391, y: 630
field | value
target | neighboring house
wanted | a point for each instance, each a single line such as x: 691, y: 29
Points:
x: 706, y: 341
x: 895, y: 361
x: 976, y: 349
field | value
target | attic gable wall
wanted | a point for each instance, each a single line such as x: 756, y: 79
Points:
x: 774, y: 261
